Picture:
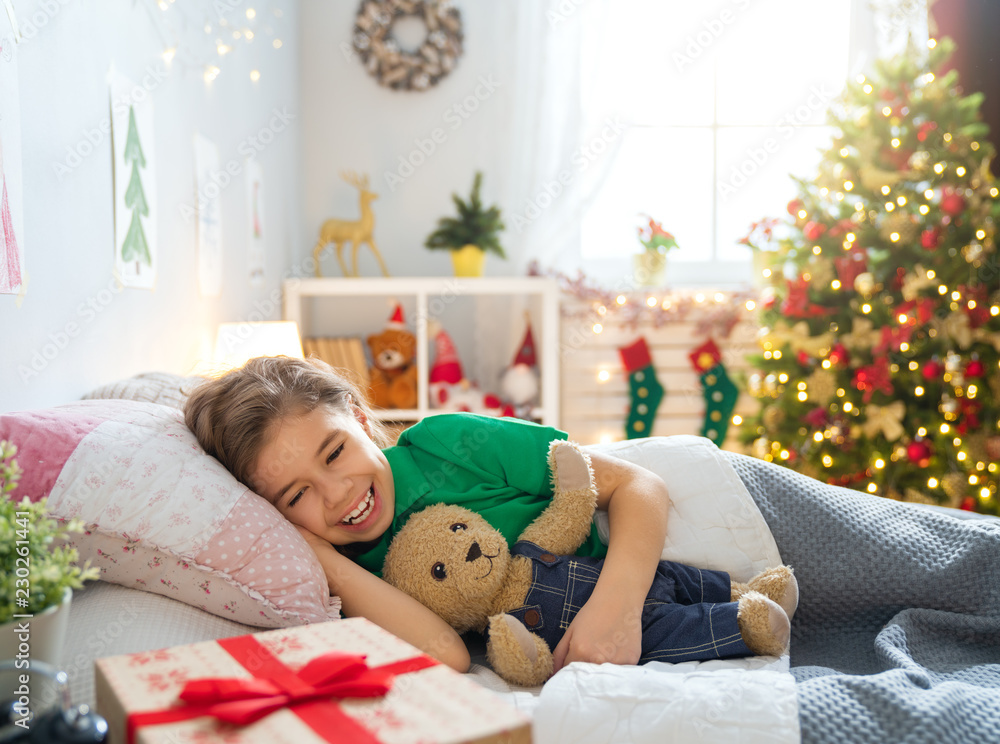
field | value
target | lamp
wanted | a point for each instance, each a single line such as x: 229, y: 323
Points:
x: 236, y: 343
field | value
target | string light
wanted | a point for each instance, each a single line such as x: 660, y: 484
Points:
x: 255, y: 75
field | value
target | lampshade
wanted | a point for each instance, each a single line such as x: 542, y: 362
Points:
x: 235, y: 343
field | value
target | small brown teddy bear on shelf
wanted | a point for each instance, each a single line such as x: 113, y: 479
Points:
x: 393, y: 376
x: 451, y: 560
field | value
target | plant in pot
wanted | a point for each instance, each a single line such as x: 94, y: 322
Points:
x: 651, y: 263
x: 471, y: 235
x: 39, y: 571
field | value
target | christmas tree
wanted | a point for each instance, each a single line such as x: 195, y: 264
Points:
x: 880, y: 318
x: 135, y: 248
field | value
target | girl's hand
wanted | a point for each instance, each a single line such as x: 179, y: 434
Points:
x: 603, y: 632
x: 314, y: 540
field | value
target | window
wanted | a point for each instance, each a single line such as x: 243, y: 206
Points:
x: 722, y: 101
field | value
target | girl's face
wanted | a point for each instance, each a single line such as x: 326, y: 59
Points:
x: 324, y: 473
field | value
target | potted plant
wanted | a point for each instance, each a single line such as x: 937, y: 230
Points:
x: 471, y: 235
x: 651, y: 263
x: 39, y: 571
x: 760, y: 240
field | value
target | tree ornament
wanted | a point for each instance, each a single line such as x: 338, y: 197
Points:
x: 864, y: 283
x: 925, y: 129
x: 814, y: 230
x: 919, y: 453
x: 794, y: 207
x: 975, y: 368
x: 956, y: 486
x: 875, y: 377
x: 905, y: 226
x: 932, y: 370
x: 839, y: 356
x: 952, y: 202
x: 822, y: 386
x: 645, y: 391
x: 851, y: 265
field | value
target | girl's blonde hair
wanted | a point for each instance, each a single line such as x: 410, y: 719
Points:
x: 233, y: 416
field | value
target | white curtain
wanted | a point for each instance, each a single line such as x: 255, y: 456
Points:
x: 562, y: 147
x: 565, y: 139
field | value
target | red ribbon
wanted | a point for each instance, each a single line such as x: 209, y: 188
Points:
x: 309, y: 692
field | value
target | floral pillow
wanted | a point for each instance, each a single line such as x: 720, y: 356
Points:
x: 163, y: 516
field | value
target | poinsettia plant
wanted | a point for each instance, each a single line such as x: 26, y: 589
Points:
x: 654, y: 238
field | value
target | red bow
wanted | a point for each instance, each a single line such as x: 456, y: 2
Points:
x: 242, y: 701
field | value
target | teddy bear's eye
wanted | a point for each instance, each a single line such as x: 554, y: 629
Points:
x: 438, y: 572
x: 457, y: 526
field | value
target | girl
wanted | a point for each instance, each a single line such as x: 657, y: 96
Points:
x: 303, y: 437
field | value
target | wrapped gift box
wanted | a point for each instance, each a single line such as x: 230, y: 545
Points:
x: 426, y: 702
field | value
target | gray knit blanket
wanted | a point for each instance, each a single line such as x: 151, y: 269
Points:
x: 897, y: 636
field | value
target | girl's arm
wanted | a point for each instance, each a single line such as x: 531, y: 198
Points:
x: 608, y: 627
x: 363, y: 594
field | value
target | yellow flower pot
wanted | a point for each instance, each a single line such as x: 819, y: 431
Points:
x: 468, y: 260
x: 650, y: 268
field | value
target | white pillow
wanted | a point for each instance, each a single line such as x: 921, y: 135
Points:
x: 163, y: 516
x: 713, y: 521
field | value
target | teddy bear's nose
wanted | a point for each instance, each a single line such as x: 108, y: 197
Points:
x: 474, y: 552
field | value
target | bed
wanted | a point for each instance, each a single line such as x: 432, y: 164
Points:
x: 897, y: 637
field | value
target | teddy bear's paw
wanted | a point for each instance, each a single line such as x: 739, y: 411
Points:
x: 570, y: 467
x: 778, y: 583
x: 763, y: 624
x: 516, y: 654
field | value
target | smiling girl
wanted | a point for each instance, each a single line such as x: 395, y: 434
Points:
x: 303, y: 437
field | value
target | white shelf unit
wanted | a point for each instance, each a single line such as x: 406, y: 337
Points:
x: 423, y: 290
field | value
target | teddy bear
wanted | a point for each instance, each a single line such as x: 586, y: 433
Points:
x: 452, y: 561
x: 393, y: 376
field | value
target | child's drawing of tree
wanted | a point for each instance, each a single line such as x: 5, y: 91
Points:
x: 135, y: 248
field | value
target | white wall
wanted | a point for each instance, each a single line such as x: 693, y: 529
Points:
x: 344, y: 121
x: 352, y: 123
x: 74, y: 330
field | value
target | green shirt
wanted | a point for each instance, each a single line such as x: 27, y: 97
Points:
x: 497, y: 467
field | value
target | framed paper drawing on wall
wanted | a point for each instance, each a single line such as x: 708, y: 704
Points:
x: 206, y: 170
x: 12, y: 275
x: 134, y: 183
x: 255, y: 215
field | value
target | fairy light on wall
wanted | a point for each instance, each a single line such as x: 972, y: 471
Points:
x: 224, y: 33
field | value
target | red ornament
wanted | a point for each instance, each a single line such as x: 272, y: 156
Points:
x: 841, y: 227
x: 816, y: 418
x: 975, y: 368
x: 794, y: 207
x: 814, y: 230
x: 924, y: 130
x: 930, y: 239
x: 804, y: 359
x: 851, y: 265
x: 980, y: 312
x: 919, y: 453
x: 875, y: 377
x: 839, y: 355
x: 932, y: 371
x: 968, y: 504
x: 952, y: 203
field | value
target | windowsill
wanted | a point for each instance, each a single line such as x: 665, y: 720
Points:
x: 684, y: 276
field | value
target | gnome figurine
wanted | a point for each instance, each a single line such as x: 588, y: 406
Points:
x: 450, y: 390
x: 519, y: 383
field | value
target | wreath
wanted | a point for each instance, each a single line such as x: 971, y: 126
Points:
x: 382, y: 56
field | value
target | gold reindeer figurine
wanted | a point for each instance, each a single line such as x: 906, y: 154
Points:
x: 354, y: 232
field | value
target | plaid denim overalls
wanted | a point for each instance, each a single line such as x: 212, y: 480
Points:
x: 688, y: 615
